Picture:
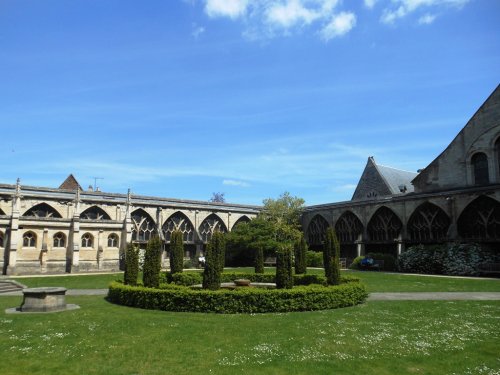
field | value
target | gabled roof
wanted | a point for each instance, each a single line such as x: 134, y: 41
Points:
x: 379, y: 181
x: 70, y: 184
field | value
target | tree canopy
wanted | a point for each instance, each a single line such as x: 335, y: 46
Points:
x: 284, y: 214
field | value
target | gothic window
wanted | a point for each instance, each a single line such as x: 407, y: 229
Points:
x: 243, y: 219
x: 497, y: 152
x: 317, y: 230
x: 29, y: 239
x: 87, y: 240
x: 94, y: 213
x: 112, y: 240
x: 59, y: 240
x: 1, y: 239
x: 143, y: 226
x: 480, y: 220
x: 42, y: 210
x: 384, y: 226
x: 348, y: 227
x: 211, y: 224
x: 180, y: 222
x: 428, y: 223
x: 479, y: 163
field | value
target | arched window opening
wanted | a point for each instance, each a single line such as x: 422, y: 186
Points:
x: 479, y: 163
x: 143, y: 226
x: 480, y: 220
x: 59, y: 240
x: 42, y: 210
x: 384, y: 226
x: 113, y: 240
x: 348, y: 228
x: 497, y: 153
x: 210, y: 225
x: 180, y: 222
x: 428, y: 223
x: 94, y: 213
x: 1, y: 239
x: 29, y: 239
x: 316, y: 231
x: 87, y: 240
x: 243, y: 219
x: 1, y: 212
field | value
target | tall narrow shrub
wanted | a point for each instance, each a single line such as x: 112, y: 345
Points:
x: 152, y: 263
x: 259, y: 259
x: 214, y: 261
x: 300, y: 249
x: 176, y: 252
x: 284, y: 278
x: 331, y: 257
x: 131, y: 265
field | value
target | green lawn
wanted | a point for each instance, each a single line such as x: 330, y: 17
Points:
x: 424, y: 337
x: 375, y: 281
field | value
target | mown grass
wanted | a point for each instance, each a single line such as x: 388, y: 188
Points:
x: 424, y: 337
x: 375, y: 281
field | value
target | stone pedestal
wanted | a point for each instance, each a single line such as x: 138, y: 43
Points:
x: 44, y: 299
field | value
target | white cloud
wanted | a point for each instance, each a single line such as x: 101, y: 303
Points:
x: 427, y: 19
x: 226, y: 8
x: 290, y: 14
x: 405, y: 7
x: 340, y: 24
x: 268, y: 18
x: 370, y: 3
x: 235, y: 183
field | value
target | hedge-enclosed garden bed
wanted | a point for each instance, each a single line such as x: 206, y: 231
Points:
x: 172, y: 297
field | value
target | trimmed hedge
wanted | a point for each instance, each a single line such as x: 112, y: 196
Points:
x: 193, y: 278
x: 244, y: 300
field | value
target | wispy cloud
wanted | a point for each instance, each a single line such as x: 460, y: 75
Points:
x: 339, y: 25
x: 197, y: 30
x: 236, y: 183
x: 403, y: 8
x: 226, y: 8
x: 427, y: 19
x: 370, y: 3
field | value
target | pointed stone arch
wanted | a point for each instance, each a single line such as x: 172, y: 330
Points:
x: 316, y: 231
x: 348, y: 228
x: 243, y: 219
x: 95, y: 213
x: 480, y: 220
x: 211, y: 224
x: 42, y: 210
x: 179, y: 221
x: 143, y: 226
x: 1, y: 212
x: 59, y: 240
x: 384, y: 226
x: 428, y: 224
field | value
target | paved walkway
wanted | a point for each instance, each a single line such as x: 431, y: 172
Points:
x: 425, y: 296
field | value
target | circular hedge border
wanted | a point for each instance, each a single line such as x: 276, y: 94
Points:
x: 172, y: 297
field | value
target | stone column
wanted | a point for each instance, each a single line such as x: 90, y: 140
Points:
x: 75, y: 255
x: 14, y: 230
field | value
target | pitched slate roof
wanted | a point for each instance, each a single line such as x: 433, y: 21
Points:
x: 379, y: 181
x: 70, y: 184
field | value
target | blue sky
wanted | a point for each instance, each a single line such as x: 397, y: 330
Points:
x: 183, y: 98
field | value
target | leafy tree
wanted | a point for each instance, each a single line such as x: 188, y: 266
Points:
x: 284, y: 213
x: 244, y: 240
x: 214, y: 263
x: 131, y: 265
x: 259, y: 260
x: 300, y: 255
x: 152, y: 263
x: 284, y: 278
x: 331, y: 257
x: 218, y: 198
x: 176, y: 252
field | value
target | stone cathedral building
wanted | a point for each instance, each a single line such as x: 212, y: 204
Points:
x: 455, y: 198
